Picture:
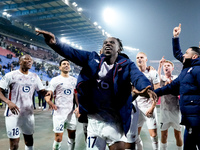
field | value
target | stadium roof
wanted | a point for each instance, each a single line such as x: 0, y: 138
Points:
x: 61, y: 17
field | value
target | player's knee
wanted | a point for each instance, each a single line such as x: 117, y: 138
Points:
x: 58, y: 138
x: 177, y: 135
x: 29, y: 143
x: 154, y: 134
x: 14, y: 146
x: 72, y: 134
x: 164, y: 136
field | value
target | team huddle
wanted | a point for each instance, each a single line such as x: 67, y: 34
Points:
x: 114, y: 97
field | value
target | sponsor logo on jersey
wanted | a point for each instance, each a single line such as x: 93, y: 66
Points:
x: 104, y: 85
x: 26, y: 89
x: 67, y: 91
x: 3, y: 78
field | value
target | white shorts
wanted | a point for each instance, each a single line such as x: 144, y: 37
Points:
x: 62, y: 122
x: 85, y: 125
x: 100, y: 133
x: 132, y: 133
x: 170, y: 118
x: 17, y: 124
x: 165, y: 126
x: 150, y: 121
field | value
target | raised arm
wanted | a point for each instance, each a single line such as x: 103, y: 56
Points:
x: 161, y: 62
x: 175, y: 43
x: 177, y: 31
x: 77, y: 56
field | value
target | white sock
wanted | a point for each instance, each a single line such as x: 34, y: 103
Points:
x: 56, y: 145
x: 180, y: 147
x: 138, y: 143
x: 71, y: 143
x: 163, y: 146
x: 29, y: 147
x: 154, y: 142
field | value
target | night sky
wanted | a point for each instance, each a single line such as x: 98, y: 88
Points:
x: 148, y: 24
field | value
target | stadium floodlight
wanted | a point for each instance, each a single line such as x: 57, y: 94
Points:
x: 80, y: 47
x: 109, y: 15
x: 80, y: 9
x: 130, y: 48
x: 8, y: 15
x: 68, y: 42
x: 99, y: 27
x: 72, y: 44
x: 62, y: 39
x: 74, y: 4
x: 95, y: 23
x: 108, y: 35
x: 5, y: 13
x: 103, y: 32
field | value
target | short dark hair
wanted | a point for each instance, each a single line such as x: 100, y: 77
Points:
x: 119, y: 42
x: 63, y: 60
x: 196, y: 50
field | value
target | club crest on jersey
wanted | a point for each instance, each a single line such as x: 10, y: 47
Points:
x: 67, y: 92
x: 104, y: 85
x: 26, y: 89
x: 3, y: 78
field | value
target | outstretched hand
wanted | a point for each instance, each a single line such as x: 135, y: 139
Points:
x: 162, y: 61
x: 146, y: 93
x: 177, y: 31
x: 48, y: 36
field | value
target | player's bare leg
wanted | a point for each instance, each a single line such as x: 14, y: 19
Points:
x: 71, y: 139
x: 14, y: 144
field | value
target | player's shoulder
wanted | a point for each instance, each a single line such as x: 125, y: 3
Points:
x: 56, y: 79
x: 174, y: 77
x: 12, y: 73
x: 32, y: 74
x: 73, y: 78
x: 153, y: 73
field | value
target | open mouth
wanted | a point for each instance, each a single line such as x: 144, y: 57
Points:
x: 108, y: 49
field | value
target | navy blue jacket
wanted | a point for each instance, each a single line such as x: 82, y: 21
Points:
x: 125, y: 75
x: 188, y: 86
